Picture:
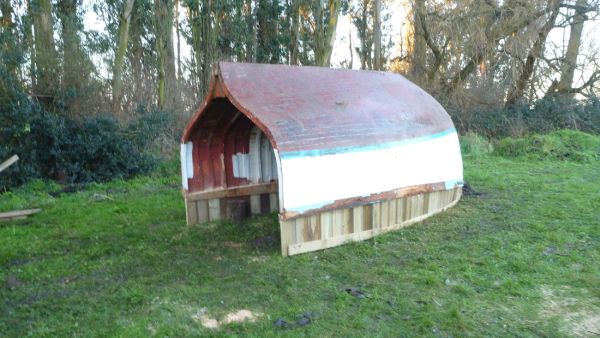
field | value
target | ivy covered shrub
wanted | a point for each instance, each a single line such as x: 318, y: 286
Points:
x: 540, y: 117
x: 95, y: 149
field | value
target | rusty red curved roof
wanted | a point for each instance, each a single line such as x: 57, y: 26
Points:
x: 314, y: 108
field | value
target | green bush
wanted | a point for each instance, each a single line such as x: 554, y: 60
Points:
x: 567, y: 145
x: 541, y: 117
x: 98, y: 150
x: 475, y: 144
x: 52, y: 146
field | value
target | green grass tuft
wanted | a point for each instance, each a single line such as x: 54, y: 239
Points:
x: 472, y: 144
x: 564, y: 145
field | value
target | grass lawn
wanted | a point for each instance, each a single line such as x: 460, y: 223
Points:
x: 521, y: 259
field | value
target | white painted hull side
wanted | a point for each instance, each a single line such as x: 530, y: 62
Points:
x: 311, y: 180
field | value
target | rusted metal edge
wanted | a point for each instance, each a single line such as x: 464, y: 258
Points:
x: 243, y: 190
x: 364, y: 200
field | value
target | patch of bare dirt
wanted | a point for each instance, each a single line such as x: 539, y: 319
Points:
x: 232, y: 317
x: 580, y: 318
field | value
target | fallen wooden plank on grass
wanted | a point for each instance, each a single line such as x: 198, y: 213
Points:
x: 18, y: 214
x: 8, y: 162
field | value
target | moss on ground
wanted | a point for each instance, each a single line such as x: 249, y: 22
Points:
x: 564, y: 145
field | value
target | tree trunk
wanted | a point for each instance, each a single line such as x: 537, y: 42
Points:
x: 195, y: 28
x: 377, y: 35
x: 120, y: 50
x: 325, y: 31
x: 45, y: 53
x: 263, y: 52
x: 570, y: 61
x: 365, y: 35
x: 418, y: 57
x: 75, y: 70
x: 29, y: 43
x: 178, y: 40
x: 163, y: 11
x: 331, y: 29
x: 518, y: 90
x: 142, y: 85
x: 351, y: 64
x: 295, y: 32
x: 9, y: 50
x: 209, y: 43
x: 250, y: 36
x: 7, y: 11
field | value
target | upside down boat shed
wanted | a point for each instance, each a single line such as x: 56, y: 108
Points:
x: 341, y: 155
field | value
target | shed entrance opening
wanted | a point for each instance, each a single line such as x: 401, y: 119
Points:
x: 234, y: 168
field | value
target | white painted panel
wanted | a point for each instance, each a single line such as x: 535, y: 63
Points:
x: 189, y: 163
x: 182, y: 157
x: 313, y: 181
x: 266, y: 154
x: 254, y: 155
x: 244, y: 165
x: 236, y: 165
x: 240, y: 165
x: 273, y: 163
x: 279, y: 177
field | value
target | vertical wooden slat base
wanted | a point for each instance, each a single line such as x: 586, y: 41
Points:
x: 232, y: 203
x: 361, y: 222
x: 202, y: 209
x: 329, y: 228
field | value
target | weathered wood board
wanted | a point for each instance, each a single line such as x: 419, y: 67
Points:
x: 18, y: 214
x: 362, y: 222
x: 329, y: 228
x: 8, y: 162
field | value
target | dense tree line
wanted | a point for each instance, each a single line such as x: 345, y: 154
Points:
x: 458, y: 50
x: 136, y: 58
x: 494, y: 53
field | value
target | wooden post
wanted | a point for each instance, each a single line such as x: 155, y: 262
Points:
x: 192, y: 213
x: 287, y: 229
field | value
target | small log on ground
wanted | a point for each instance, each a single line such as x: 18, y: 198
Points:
x: 18, y: 214
x: 8, y: 162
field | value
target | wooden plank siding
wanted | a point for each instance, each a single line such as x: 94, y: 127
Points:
x: 333, y: 228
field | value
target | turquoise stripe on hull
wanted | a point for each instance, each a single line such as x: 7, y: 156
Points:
x: 342, y: 150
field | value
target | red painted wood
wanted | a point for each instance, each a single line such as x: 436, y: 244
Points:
x: 229, y: 151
